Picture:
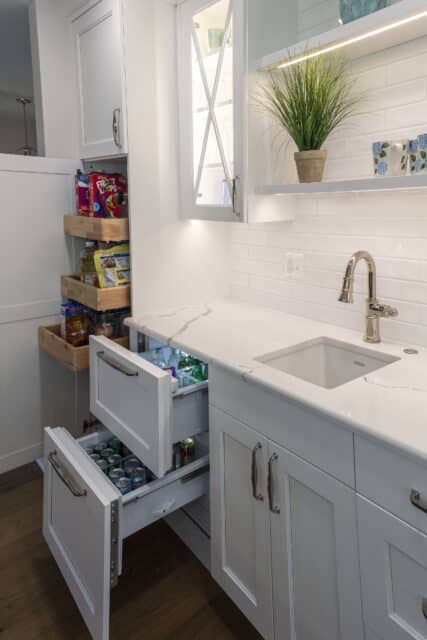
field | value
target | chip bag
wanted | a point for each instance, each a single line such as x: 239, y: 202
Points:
x: 113, y: 266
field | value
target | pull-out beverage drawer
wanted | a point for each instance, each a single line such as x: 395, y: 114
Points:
x: 86, y: 518
x: 142, y: 404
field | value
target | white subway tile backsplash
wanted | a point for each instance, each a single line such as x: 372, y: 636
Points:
x: 327, y: 230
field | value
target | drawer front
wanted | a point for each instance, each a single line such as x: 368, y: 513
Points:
x: 310, y: 435
x: 391, y: 479
x: 394, y: 574
x: 132, y: 398
x: 80, y: 519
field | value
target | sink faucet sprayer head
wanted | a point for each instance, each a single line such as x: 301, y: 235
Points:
x: 347, y: 288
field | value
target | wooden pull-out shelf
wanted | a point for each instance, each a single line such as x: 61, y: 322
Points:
x: 73, y: 358
x: 94, y: 297
x: 101, y: 229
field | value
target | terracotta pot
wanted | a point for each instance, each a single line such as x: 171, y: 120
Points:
x: 310, y: 165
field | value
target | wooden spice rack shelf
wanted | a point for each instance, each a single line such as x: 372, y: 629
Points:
x: 73, y: 358
x: 101, y: 229
x: 99, y: 299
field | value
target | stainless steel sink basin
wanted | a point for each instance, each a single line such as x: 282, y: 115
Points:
x: 327, y: 363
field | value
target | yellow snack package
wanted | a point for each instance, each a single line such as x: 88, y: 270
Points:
x: 113, y: 266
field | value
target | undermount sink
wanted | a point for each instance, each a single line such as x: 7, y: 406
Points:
x: 327, y: 363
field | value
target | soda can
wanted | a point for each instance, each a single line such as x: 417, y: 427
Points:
x: 116, y: 445
x: 107, y: 452
x: 188, y: 450
x: 95, y: 456
x: 103, y: 465
x: 124, y: 485
x: 139, y: 477
x: 99, y: 448
x: 116, y: 474
x: 114, y: 461
x: 130, y: 464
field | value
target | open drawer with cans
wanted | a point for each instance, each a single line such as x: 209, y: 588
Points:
x: 155, y: 412
x: 87, y: 514
x: 147, y: 406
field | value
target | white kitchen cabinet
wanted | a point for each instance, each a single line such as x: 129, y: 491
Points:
x: 394, y: 574
x: 100, y: 76
x: 314, y: 552
x: 240, y: 525
x: 284, y: 538
x: 142, y: 405
x: 211, y: 81
x: 86, y: 519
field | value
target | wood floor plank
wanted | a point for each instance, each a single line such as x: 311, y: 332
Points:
x: 163, y: 594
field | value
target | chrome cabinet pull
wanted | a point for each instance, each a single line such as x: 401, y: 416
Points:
x: 424, y: 607
x: 418, y: 501
x: 273, y: 508
x: 114, y: 364
x: 255, y: 493
x: 65, y: 477
x: 116, y: 127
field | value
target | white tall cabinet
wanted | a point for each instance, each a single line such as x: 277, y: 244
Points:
x: 99, y: 63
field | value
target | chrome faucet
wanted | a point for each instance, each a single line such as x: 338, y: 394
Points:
x: 374, y: 309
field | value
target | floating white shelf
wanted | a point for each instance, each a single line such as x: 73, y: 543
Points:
x: 403, y: 21
x: 403, y: 183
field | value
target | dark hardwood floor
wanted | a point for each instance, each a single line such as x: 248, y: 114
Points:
x: 163, y: 594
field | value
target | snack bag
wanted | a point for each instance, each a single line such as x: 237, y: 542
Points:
x: 82, y: 194
x: 107, y: 195
x: 113, y: 266
x: 74, y: 325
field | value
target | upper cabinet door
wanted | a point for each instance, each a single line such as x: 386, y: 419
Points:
x: 99, y: 60
x: 211, y: 81
x: 314, y: 552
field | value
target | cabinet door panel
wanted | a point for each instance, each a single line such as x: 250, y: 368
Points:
x: 211, y: 45
x: 98, y: 48
x: 394, y: 574
x: 241, y: 561
x: 314, y: 542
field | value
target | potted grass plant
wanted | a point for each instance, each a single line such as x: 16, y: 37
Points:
x: 310, y: 100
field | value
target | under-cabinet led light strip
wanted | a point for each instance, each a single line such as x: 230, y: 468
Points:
x: 350, y: 41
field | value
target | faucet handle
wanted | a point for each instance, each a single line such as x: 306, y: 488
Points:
x: 383, y: 310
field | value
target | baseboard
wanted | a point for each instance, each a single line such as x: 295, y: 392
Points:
x: 21, y: 457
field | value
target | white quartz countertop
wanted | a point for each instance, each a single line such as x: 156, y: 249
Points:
x: 389, y: 404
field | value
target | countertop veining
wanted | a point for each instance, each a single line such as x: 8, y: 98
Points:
x: 389, y: 404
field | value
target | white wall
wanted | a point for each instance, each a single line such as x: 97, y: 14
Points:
x: 34, y: 390
x: 54, y: 80
x: 174, y: 262
x: 393, y: 227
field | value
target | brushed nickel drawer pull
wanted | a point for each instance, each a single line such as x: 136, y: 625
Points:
x: 418, y: 501
x: 65, y: 477
x: 273, y: 508
x: 116, y: 365
x: 254, y: 473
x: 424, y: 607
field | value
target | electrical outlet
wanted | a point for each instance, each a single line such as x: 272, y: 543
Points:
x: 295, y: 265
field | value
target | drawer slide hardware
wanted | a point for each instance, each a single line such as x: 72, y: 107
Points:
x: 273, y: 508
x: 115, y: 364
x: 65, y: 477
x: 418, y: 501
x: 254, y: 474
x: 114, y: 551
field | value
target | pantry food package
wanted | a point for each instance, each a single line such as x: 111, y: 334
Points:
x: 74, y: 323
x: 113, y: 266
x: 101, y: 195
